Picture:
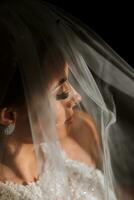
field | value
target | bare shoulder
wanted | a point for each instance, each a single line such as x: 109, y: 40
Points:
x: 84, y: 127
x: 83, y: 130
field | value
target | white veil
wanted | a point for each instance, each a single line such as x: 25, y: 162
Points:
x: 103, y: 79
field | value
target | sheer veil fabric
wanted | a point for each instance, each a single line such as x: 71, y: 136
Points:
x: 100, y: 81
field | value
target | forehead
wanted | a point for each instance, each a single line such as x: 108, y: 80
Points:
x: 59, y: 77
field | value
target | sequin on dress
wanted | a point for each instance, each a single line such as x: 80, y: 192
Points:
x: 85, y: 183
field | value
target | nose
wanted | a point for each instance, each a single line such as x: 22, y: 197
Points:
x: 75, y: 98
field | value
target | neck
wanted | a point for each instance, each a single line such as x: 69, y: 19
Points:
x: 18, y: 162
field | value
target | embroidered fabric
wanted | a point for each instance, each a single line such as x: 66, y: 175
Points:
x: 84, y: 182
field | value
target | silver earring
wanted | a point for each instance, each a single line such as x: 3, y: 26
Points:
x: 7, y: 130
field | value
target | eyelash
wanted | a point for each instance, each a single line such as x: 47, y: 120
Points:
x: 63, y: 95
x: 65, y: 90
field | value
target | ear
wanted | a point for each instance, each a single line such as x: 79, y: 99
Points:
x: 7, y: 116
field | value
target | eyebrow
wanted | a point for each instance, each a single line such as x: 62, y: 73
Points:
x: 60, y: 82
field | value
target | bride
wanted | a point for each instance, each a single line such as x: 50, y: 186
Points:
x: 56, y: 109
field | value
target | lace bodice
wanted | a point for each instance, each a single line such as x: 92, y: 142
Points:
x: 85, y: 183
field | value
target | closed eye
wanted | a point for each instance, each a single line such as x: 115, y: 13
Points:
x: 62, y: 96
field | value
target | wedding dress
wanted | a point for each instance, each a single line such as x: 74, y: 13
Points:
x: 85, y: 182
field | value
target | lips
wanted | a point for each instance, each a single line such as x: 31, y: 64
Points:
x: 69, y: 120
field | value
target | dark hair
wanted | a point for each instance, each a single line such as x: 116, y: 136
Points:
x: 14, y: 94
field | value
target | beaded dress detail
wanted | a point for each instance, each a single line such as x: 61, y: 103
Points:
x: 85, y: 183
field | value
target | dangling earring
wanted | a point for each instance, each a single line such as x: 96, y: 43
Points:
x: 7, y: 130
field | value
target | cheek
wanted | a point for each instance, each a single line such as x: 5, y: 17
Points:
x: 60, y: 113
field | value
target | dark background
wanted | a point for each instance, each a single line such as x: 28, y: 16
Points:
x: 112, y: 21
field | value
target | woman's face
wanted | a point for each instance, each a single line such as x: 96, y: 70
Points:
x: 65, y: 98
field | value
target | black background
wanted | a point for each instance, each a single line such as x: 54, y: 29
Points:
x: 112, y: 21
